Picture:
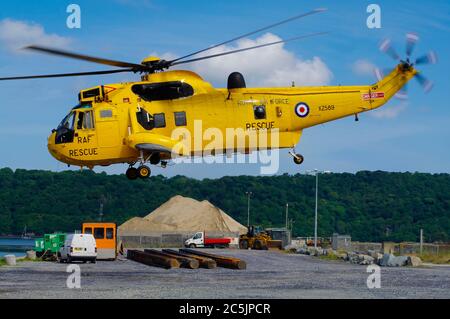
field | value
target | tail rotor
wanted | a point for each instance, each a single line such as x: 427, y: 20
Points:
x: 407, y: 64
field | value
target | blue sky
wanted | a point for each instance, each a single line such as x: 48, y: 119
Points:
x: 403, y: 136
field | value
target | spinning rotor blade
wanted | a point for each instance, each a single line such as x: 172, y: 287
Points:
x: 387, y: 48
x: 403, y: 93
x: 65, y: 74
x: 429, y: 58
x: 249, y: 48
x: 411, y: 40
x: 381, y: 73
x: 83, y: 57
x: 378, y: 74
x: 253, y: 32
x: 424, y: 82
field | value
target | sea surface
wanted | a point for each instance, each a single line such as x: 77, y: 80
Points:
x: 15, y: 246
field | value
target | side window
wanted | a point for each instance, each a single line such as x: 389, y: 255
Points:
x: 109, y: 233
x: 180, y: 118
x: 99, y: 233
x: 106, y: 114
x: 88, y: 121
x: 88, y: 230
x: 159, y: 119
x: 197, y: 236
x: 259, y: 111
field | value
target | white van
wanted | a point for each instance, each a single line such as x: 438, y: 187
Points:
x: 78, y: 247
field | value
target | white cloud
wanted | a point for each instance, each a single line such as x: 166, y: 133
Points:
x: 268, y: 66
x: 363, y: 67
x: 15, y: 34
x: 389, y: 112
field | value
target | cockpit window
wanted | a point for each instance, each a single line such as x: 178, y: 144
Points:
x: 68, y: 121
x: 65, y: 130
x: 163, y: 91
x: 80, y: 120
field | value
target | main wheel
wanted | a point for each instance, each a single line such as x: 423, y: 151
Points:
x: 132, y: 173
x: 192, y: 246
x: 258, y: 245
x: 155, y: 159
x: 144, y: 171
x: 298, y: 159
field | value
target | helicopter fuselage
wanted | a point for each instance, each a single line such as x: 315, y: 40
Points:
x: 128, y: 122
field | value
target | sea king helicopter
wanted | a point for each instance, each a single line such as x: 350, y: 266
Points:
x: 134, y: 122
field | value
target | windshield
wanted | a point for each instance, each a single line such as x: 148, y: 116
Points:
x: 68, y: 121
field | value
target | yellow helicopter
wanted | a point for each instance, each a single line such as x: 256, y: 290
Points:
x: 135, y: 122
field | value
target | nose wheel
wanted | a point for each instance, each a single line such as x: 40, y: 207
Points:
x: 142, y: 171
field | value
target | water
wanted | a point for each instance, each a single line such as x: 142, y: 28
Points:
x: 15, y: 246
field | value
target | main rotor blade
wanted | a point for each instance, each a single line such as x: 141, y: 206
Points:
x: 411, y: 40
x: 249, y: 48
x: 65, y: 74
x: 402, y: 94
x: 83, y: 57
x: 253, y: 32
x: 429, y: 58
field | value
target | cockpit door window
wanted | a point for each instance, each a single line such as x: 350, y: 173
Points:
x: 85, y: 120
x: 88, y: 121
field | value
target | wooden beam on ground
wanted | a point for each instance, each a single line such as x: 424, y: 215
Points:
x: 185, y: 262
x: 203, y: 261
x: 152, y: 259
x: 222, y: 261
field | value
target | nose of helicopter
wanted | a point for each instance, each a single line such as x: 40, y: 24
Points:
x: 51, y: 145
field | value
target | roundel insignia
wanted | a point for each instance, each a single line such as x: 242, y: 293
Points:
x: 302, y: 109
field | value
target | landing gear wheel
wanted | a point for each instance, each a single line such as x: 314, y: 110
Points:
x: 155, y: 159
x: 132, y: 173
x: 144, y: 171
x: 298, y: 159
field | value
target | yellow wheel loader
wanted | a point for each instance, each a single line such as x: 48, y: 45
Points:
x: 257, y: 238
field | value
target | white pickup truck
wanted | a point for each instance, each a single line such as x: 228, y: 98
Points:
x: 200, y: 240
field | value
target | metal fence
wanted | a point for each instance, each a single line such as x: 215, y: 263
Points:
x: 163, y: 239
x: 402, y: 248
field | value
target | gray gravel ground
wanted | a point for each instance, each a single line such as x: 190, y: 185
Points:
x: 269, y: 274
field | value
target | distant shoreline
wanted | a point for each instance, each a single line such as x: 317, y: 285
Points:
x: 17, y: 237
